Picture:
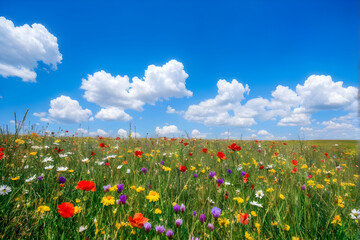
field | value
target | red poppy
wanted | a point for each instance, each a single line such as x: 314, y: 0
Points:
x: 185, y: 144
x: 244, y: 218
x: 138, y: 153
x: 66, y: 209
x: 92, y: 153
x: 204, y: 150
x: 234, y: 147
x: 252, y: 187
x: 284, y: 144
x: 276, y: 154
x: 221, y: 155
x: 190, y: 154
x: 256, y: 141
x: 2, y: 149
x: 326, y: 154
x: 182, y: 168
x: 107, y: 164
x: 294, y: 162
x: 138, y: 220
x: 261, y: 167
x: 118, y: 138
x: 295, y: 170
x: 86, y: 186
x: 102, y: 145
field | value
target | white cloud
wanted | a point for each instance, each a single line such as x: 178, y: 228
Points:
x: 122, y: 133
x: 113, y: 114
x: 12, y: 121
x: 226, y: 133
x: 170, y: 110
x: 81, y: 131
x: 263, y: 133
x: 66, y: 110
x: 166, y: 130
x: 298, y: 117
x: 197, y: 134
x: 220, y: 110
x: 22, y: 47
x: 45, y: 120
x: 338, y: 126
x: 100, y: 133
x: 159, y: 83
x: 40, y: 114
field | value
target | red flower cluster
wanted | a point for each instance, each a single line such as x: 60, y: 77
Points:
x: 221, y: 155
x: 182, y: 168
x: 2, y: 152
x: 204, y: 150
x: 234, y: 147
x: 66, y: 209
x: 86, y: 186
x: 138, y: 153
x: 138, y: 221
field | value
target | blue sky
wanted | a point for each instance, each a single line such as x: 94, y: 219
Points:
x: 309, y: 44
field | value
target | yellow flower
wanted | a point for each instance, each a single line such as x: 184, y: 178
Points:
x: 132, y: 187
x: 257, y: 225
x: 158, y: 211
x: 43, y: 209
x: 185, y: 187
x: 192, y: 168
x: 33, y: 153
x: 295, y: 238
x: 15, y: 178
x: 287, y: 227
x: 153, y: 196
x: 253, y: 213
x: 203, y: 171
x: 77, y: 210
x: 274, y: 223
x: 19, y: 141
x: 140, y: 189
x: 118, y: 225
x: 311, y: 183
x: 108, y: 200
x: 166, y: 169
x: 58, y: 140
x: 133, y: 232
x: 304, y: 166
x: 239, y: 199
x: 319, y: 186
x: 248, y: 236
x: 78, y: 200
x: 223, y: 222
x: 270, y: 190
x: 272, y: 170
x: 337, y: 220
x: 70, y: 171
x: 282, y: 196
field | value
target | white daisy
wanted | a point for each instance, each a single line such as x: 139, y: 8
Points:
x: 63, y: 155
x: 85, y: 160
x: 239, y: 168
x: 31, y: 179
x: 82, y: 228
x: 48, y: 159
x: 4, y: 190
x: 62, y: 169
x: 49, y: 167
x: 254, y: 203
x: 227, y: 183
x: 355, y: 214
x: 259, y: 194
x: 128, y: 171
x: 26, y: 167
x: 100, y: 163
x: 119, y: 167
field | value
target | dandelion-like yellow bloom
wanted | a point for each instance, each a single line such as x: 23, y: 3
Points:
x: 270, y: 190
x: 108, y: 200
x: 253, y: 213
x: 337, y: 220
x: 77, y: 210
x: 311, y: 183
x: 282, y: 196
x: 140, y: 189
x: 248, y: 236
x: 319, y: 186
x: 257, y: 225
x: 15, y: 178
x: 272, y: 170
x: 43, y: 209
x: 166, y: 169
x: 153, y: 196
x: 19, y: 141
x: 223, y: 222
x: 158, y: 211
x: 33, y: 153
x: 287, y: 227
x: 239, y: 199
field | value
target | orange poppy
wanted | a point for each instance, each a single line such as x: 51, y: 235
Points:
x: 221, y: 155
x: 86, y: 186
x: 244, y: 218
x: 66, y: 209
x: 138, y: 220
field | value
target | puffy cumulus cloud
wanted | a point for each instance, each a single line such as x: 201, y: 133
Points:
x: 66, y: 110
x: 167, y: 130
x: 81, y: 131
x: 170, y: 110
x: 113, y: 114
x: 197, y: 134
x: 226, y: 133
x: 288, y: 107
x: 320, y: 92
x: 158, y: 83
x: 40, y: 114
x: 99, y: 133
x: 122, y: 133
x: 220, y: 110
x: 22, y: 47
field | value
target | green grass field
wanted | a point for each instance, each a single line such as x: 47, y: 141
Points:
x: 266, y: 190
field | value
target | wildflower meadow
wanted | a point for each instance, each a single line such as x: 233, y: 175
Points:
x: 177, y: 188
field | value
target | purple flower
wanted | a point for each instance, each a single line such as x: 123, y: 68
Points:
x: 170, y: 233
x: 144, y: 170
x: 147, y: 227
x: 220, y: 181
x: 211, y: 227
x: 195, y: 175
x: 107, y: 188
x: 194, y: 213
x: 178, y: 222
x: 160, y: 229
x: 182, y: 208
x: 177, y: 208
x: 303, y: 187
x: 122, y: 199
x: 212, y: 174
x: 40, y: 178
x: 202, y: 218
x: 229, y: 171
x: 216, y: 212
x: 162, y: 162
x: 120, y: 188
x: 62, y: 180
x: 243, y: 173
